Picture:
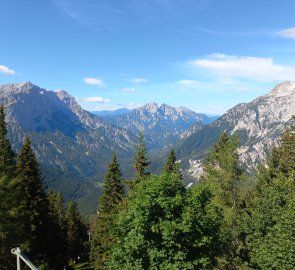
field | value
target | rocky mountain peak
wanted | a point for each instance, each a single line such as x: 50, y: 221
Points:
x: 18, y: 88
x: 285, y: 88
x: 151, y: 107
x: 62, y: 94
x: 67, y: 99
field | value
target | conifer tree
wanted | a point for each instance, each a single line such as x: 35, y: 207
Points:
x: 112, y: 195
x: 76, y: 232
x: 58, y: 229
x: 171, y: 165
x: 10, y: 229
x: 287, y: 151
x: 224, y: 175
x: 140, y: 160
x: 223, y: 171
x: 36, y: 242
x: 7, y: 163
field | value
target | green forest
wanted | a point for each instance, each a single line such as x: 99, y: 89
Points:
x: 225, y: 221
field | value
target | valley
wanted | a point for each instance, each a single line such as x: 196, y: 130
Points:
x: 74, y: 146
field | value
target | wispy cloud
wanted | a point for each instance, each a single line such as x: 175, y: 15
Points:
x: 187, y: 82
x: 246, y: 67
x: 109, y: 106
x: 106, y: 15
x: 138, y: 80
x: 6, y: 70
x: 128, y: 90
x: 287, y: 33
x: 94, y: 81
x: 96, y: 100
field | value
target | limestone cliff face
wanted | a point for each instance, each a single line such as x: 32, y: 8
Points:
x: 259, y: 124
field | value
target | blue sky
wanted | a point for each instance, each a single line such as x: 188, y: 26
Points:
x: 207, y: 55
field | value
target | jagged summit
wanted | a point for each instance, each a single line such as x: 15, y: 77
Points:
x: 15, y: 88
x: 285, y: 88
x: 161, y: 125
x: 151, y: 107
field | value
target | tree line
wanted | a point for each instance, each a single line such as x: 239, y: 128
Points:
x: 154, y: 221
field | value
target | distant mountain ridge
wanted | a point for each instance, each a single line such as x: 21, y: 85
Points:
x: 161, y: 125
x: 106, y: 113
x: 259, y: 124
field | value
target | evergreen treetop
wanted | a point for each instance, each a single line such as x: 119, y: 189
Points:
x: 7, y: 162
x: 76, y: 231
x: 171, y: 166
x: 223, y: 171
x: 35, y: 204
x: 112, y: 195
x: 140, y: 160
x: 113, y: 188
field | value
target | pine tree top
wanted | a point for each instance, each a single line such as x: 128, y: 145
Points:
x: 113, y: 188
x: 7, y: 162
x: 141, y: 162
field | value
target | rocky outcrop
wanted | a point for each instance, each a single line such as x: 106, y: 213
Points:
x: 259, y: 124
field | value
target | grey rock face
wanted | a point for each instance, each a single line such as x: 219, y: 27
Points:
x: 259, y: 124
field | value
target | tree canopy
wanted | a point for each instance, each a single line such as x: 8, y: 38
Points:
x: 166, y: 226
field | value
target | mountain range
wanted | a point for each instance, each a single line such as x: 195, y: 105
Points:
x: 154, y: 120
x: 74, y: 146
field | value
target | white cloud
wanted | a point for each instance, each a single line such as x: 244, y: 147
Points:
x: 247, y: 67
x: 94, y: 81
x: 138, y: 80
x: 287, y: 33
x: 128, y: 90
x: 6, y: 70
x: 96, y: 100
x: 187, y: 82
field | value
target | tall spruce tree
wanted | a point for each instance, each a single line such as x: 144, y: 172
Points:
x: 287, y: 151
x: 58, y: 229
x: 10, y: 227
x: 141, y: 162
x: 7, y: 162
x: 223, y: 172
x: 112, y: 195
x: 76, y: 232
x: 171, y: 166
x: 36, y: 242
x: 224, y: 175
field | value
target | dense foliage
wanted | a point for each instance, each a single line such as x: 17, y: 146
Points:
x: 166, y: 226
x: 270, y: 225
